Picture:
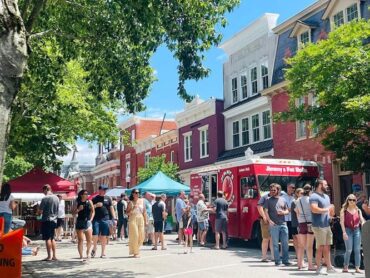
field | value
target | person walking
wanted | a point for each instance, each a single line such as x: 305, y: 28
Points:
x: 180, y: 209
x: 202, y: 219
x: 85, y: 213
x: 289, y: 198
x: 351, y: 220
x: 275, y: 209
x: 60, y: 219
x: 137, y: 220
x: 7, y: 205
x: 322, y: 211
x: 103, y: 212
x: 305, y: 233
x: 122, y: 218
x: 264, y: 224
x: 48, y: 208
x: 363, y: 205
x: 188, y: 228
x: 149, y: 227
x: 159, y: 216
x: 221, y: 207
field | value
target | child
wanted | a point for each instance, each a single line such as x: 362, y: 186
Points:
x: 188, y: 228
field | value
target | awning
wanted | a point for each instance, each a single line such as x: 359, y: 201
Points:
x: 115, y: 192
x: 28, y: 197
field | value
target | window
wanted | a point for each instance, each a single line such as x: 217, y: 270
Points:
x: 256, y: 128
x: 264, y: 76
x: 304, y: 38
x: 234, y: 89
x: 146, y: 159
x: 132, y: 137
x: 254, y: 82
x: 352, y: 12
x: 338, y: 19
x: 301, y: 129
x: 266, y: 123
x: 188, y: 147
x: 204, y: 143
x: 314, y: 129
x: 128, y: 170
x: 248, y: 188
x: 367, y: 181
x: 172, y: 156
x: 245, y: 131
x: 121, y: 142
x: 236, y: 142
x: 244, y: 85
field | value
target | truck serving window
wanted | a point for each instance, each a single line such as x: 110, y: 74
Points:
x: 209, y: 185
x: 283, y: 181
x: 248, y: 188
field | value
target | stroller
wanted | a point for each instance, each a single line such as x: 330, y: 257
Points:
x: 339, y: 247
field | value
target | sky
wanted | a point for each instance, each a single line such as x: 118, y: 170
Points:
x: 163, y: 97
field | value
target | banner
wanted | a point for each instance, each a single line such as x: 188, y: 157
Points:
x: 10, y: 252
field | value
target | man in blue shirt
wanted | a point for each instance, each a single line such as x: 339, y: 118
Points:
x: 180, y: 209
x: 322, y: 210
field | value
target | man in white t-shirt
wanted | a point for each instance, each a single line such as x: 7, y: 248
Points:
x: 60, y: 219
x: 202, y: 219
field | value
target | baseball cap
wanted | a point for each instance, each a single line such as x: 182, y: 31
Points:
x: 103, y: 187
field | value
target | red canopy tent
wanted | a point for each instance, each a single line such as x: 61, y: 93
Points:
x: 34, y: 180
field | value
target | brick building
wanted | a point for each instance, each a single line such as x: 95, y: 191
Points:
x: 296, y: 140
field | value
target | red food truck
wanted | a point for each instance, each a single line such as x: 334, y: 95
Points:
x: 243, y: 183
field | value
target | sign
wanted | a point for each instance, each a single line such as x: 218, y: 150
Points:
x: 10, y: 252
x: 356, y: 187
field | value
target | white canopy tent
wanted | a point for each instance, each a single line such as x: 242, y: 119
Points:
x: 115, y: 192
x: 28, y: 197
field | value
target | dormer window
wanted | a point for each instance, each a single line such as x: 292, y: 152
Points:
x: 338, y: 19
x: 352, y: 12
x: 302, y: 31
x: 339, y: 13
x: 304, y: 39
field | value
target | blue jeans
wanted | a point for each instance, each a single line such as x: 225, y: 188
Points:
x: 7, y: 221
x: 353, y: 243
x: 280, y: 232
x: 26, y: 251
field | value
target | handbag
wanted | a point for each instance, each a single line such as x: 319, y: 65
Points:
x: 309, y: 224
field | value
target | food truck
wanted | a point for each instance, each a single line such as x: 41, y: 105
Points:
x: 243, y: 183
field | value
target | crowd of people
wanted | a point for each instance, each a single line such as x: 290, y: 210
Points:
x: 300, y: 214
x: 305, y: 216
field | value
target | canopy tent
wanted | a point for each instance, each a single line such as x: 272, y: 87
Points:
x: 34, y: 180
x: 115, y: 192
x: 160, y: 183
x: 28, y: 197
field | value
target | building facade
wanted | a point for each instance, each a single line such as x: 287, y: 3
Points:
x: 296, y: 140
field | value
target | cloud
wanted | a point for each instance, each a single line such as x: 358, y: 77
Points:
x: 86, y: 154
x: 222, y: 57
x: 153, y: 112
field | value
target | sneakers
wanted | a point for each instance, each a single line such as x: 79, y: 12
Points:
x: 331, y: 270
x: 321, y: 271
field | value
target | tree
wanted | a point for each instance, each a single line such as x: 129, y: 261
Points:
x: 15, y: 167
x: 156, y: 164
x: 111, y: 40
x: 336, y: 72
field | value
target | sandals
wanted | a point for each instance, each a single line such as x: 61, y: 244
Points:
x: 155, y: 248
x: 93, y: 253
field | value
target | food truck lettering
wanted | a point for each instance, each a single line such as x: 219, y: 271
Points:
x: 287, y: 169
x: 227, y: 185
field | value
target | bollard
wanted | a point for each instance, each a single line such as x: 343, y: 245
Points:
x: 366, y: 247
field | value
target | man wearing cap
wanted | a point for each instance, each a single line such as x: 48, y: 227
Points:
x: 159, y: 216
x: 122, y: 218
x: 103, y: 209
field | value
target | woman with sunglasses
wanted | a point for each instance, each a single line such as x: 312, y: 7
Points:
x: 85, y: 213
x: 137, y: 219
x: 350, y: 220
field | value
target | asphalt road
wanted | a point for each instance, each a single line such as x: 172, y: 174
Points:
x: 236, y: 261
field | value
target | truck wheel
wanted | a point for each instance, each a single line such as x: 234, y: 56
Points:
x: 210, y: 237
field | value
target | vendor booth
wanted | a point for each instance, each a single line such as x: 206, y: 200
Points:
x: 27, y: 191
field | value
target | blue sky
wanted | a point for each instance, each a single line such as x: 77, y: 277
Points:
x: 163, y: 96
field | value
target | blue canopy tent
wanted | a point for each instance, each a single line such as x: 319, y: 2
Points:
x: 160, y: 183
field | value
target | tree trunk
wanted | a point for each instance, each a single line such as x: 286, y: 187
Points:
x: 13, y: 58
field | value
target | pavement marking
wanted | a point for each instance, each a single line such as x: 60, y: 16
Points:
x: 197, y: 270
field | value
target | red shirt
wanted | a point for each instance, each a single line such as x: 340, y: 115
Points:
x: 351, y: 221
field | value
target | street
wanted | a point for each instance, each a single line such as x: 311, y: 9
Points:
x: 237, y: 261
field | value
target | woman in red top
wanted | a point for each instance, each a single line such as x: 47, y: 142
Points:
x: 351, y: 219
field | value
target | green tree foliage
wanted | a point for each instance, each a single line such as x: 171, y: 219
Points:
x: 15, y: 167
x: 89, y: 58
x: 156, y: 164
x: 336, y: 71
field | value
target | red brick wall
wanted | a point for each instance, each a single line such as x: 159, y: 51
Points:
x: 145, y: 128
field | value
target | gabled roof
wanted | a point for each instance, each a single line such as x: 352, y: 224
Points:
x: 302, y: 24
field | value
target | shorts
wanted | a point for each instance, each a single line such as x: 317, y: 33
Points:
x: 188, y: 231
x: 158, y: 226
x: 305, y: 229
x: 181, y: 225
x: 60, y: 222
x: 203, y: 225
x: 323, y: 236
x: 294, y: 231
x: 149, y: 229
x: 289, y: 225
x: 83, y: 225
x: 100, y: 227
x: 265, y: 232
x: 221, y: 225
x: 48, y: 230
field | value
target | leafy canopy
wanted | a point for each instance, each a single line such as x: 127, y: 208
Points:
x: 336, y: 72
x: 156, y: 164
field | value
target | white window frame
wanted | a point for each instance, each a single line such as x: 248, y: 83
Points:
x: 245, y: 75
x: 234, y: 134
x: 128, y: 170
x: 264, y: 77
x: 345, y: 15
x: 253, y: 81
x: 266, y: 125
x: 188, y: 137
x: 313, y: 102
x: 299, y: 38
x: 256, y: 128
x: 202, y: 130
x: 247, y: 131
x: 172, y: 156
x: 133, y: 137
x: 236, y: 90
x: 146, y: 159
x: 301, y: 126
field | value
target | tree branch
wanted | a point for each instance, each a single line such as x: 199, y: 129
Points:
x: 39, y: 35
x: 34, y: 14
x: 25, y: 7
